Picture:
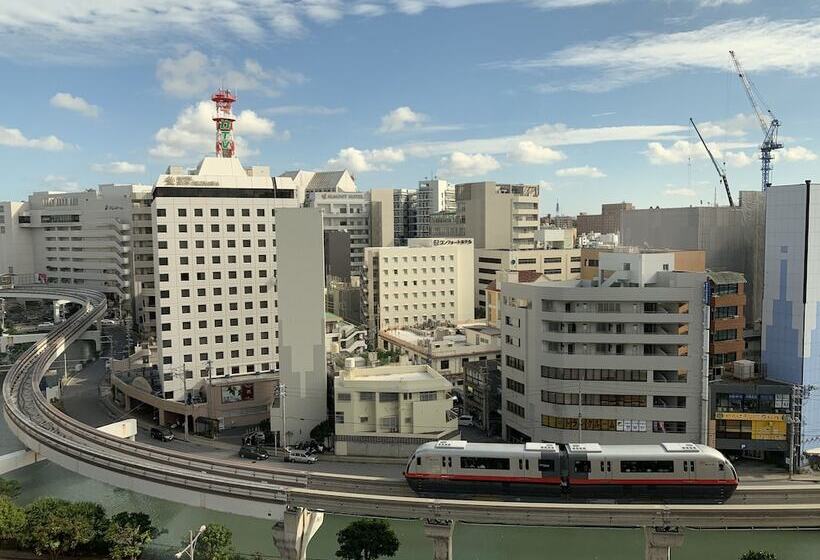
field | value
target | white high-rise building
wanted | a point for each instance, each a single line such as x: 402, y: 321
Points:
x: 347, y: 212
x: 434, y: 195
x: 622, y: 358
x: 16, y: 249
x: 239, y: 283
x: 428, y: 282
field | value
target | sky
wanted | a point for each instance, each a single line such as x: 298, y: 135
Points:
x: 591, y: 99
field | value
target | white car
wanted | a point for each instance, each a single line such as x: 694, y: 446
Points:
x: 465, y: 420
x: 110, y: 322
x: 299, y: 456
x: 46, y: 325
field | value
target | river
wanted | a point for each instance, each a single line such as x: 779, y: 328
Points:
x: 471, y: 542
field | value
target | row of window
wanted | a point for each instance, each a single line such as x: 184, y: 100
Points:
x: 515, y: 363
x: 214, y: 212
x: 594, y: 399
x: 219, y: 323
x: 725, y: 312
x: 217, y: 291
x: 725, y: 334
x: 201, y: 276
x: 516, y: 386
x: 214, y: 228
x: 516, y: 409
x: 549, y: 306
x: 217, y: 307
x: 217, y: 259
x: 608, y: 424
x: 216, y: 243
x: 219, y: 355
x: 580, y: 374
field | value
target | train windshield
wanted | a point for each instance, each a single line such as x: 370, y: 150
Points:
x: 410, y: 462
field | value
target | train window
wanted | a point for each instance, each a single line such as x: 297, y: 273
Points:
x: 685, y: 466
x: 720, y: 466
x: 444, y: 461
x: 609, y: 466
x: 494, y: 463
x: 647, y: 466
x: 583, y: 466
x: 449, y: 461
x: 546, y: 465
x: 520, y: 464
x: 527, y: 464
x: 602, y: 466
x: 692, y: 466
x: 418, y: 461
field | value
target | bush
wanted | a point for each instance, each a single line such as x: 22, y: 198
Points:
x: 216, y: 543
x: 9, y: 487
x: 12, y: 521
x: 367, y: 539
x: 758, y: 555
x: 128, y: 534
x: 56, y: 527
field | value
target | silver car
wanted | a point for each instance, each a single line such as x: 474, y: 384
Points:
x: 299, y: 456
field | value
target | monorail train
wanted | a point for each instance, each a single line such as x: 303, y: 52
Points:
x: 682, y: 472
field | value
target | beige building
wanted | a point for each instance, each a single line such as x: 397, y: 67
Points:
x: 381, y: 218
x: 554, y: 264
x: 447, y: 350
x: 608, y: 221
x: 390, y: 410
x: 429, y: 282
x: 498, y: 216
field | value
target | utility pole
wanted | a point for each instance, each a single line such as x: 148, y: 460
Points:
x: 799, y: 392
x: 283, y: 438
x: 580, y: 415
x: 189, y: 550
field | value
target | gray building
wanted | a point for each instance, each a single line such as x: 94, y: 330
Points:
x: 498, y: 216
x: 482, y: 395
x: 337, y: 254
x: 732, y: 237
x: 617, y: 359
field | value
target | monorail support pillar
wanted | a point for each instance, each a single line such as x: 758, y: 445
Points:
x: 660, y: 541
x: 292, y: 535
x: 441, y: 531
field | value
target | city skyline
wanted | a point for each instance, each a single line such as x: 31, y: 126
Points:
x: 578, y: 96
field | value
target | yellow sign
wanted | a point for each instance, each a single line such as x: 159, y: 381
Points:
x: 769, y: 430
x: 750, y: 416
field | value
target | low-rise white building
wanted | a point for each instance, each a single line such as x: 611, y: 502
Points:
x: 447, y: 350
x: 388, y: 411
x: 429, y: 282
x: 343, y: 337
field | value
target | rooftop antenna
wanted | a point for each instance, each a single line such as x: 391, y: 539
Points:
x: 224, y: 119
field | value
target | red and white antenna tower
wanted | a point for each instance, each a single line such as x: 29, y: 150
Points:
x: 225, y: 145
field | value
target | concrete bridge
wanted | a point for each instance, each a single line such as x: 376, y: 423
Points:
x: 296, y: 500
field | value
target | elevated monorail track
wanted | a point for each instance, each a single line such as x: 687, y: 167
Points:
x: 266, y: 491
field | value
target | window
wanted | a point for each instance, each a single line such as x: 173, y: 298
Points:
x: 582, y: 466
x: 516, y: 409
x: 343, y: 397
x: 489, y: 463
x: 367, y: 396
x: 181, y: 212
x: 514, y: 385
x: 340, y: 418
x: 647, y: 466
x: 726, y: 334
x: 515, y: 363
x: 428, y: 395
x: 160, y: 212
x: 445, y: 364
x: 668, y: 427
x: 722, y: 289
x: 725, y: 312
x: 546, y: 465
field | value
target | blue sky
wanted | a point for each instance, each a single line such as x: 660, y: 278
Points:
x: 590, y: 98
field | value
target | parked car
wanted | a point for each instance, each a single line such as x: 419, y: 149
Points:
x: 253, y: 452
x: 311, y: 446
x: 110, y: 322
x: 299, y: 456
x: 162, y: 433
x: 46, y: 325
x: 465, y: 420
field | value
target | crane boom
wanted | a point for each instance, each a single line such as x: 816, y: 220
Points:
x: 769, y: 124
x: 718, y: 168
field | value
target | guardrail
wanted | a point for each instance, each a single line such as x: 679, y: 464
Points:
x: 42, y: 427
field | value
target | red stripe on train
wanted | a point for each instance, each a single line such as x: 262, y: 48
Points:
x: 578, y: 481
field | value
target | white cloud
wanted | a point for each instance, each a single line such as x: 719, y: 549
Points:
x: 368, y: 10
x: 401, y: 118
x: 527, y: 151
x: 798, y: 153
x: 735, y: 126
x: 737, y: 159
x: 60, y: 183
x: 459, y: 164
x: 585, y: 171
x: 14, y: 138
x: 193, y: 132
x: 305, y: 110
x: 194, y: 74
x: 682, y: 151
x: 681, y: 191
x: 69, y: 102
x: 788, y: 45
x: 118, y: 167
x: 716, y: 3
x: 360, y: 161
x: 544, y: 185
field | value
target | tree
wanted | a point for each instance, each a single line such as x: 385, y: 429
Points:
x: 758, y: 555
x: 95, y: 514
x: 128, y: 533
x: 12, y: 520
x: 9, y: 487
x: 322, y: 430
x: 367, y: 539
x: 54, y: 527
x: 215, y: 543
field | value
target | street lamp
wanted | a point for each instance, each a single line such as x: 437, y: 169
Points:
x: 189, y: 550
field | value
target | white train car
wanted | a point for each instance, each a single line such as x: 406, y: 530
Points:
x: 667, y: 472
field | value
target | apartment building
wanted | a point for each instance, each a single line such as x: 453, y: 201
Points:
x: 347, y: 212
x: 482, y: 395
x: 498, y: 216
x: 142, y: 255
x: 428, y: 282
x: 389, y: 411
x: 727, y: 302
x: 554, y: 264
x: 447, y: 350
x: 608, y: 221
x: 433, y: 196
x: 620, y: 359
x: 239, y: 284
x: 405, y: 226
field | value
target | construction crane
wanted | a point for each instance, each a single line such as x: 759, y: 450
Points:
x: 719, y: 168
x: 768, y: 122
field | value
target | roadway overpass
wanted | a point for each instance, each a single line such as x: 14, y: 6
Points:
x: 296, y: 500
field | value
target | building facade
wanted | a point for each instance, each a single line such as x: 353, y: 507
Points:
x: 482, y: 395
x: 391, y: 410
x: 554, y: 264
x: 429, y: 282
x: 347, y: 212
x: 433, y: 196
x: 621, y: 359
x: 608, y: 221
x: 498, y: 216
x: 727, y: 302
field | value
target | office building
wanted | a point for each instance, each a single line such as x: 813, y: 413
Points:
x: 239, y: 284
x: 731, y: 236
x: 790, y: 335
x: 727, y: 300
x: 389, y: 411
x: 498, y: 216
x: 608, y: 221
x: 493, y: 315
x: 619, y: 359
x: 347, y: 212
x: 446, y: 224
x: 382, y: 218
x: 482, y: 395
x: 429, y: 282
x: 447, y: 350
x: 405, y: 226
x: 16, y: 249
x: 554, y: 264
x: 345, y: 300
x: 433, y: 196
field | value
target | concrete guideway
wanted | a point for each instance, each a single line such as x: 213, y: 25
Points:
x: 297, y: 499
